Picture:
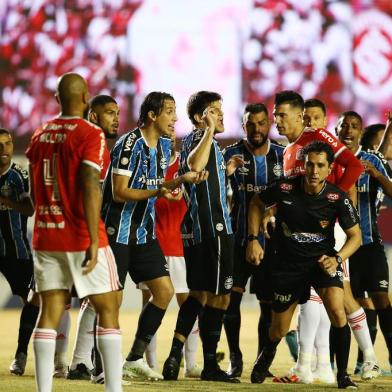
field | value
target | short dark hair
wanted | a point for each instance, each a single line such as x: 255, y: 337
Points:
x: 153, y: 102
x: 350, y: 113
x: 315, y: 103
x: 369, y: 133
x: 100, y: 100
x: 4, y: 131
x: 199, y: 101
x: 290, y: 97
x: 319, y: 147
x: 256, y: 108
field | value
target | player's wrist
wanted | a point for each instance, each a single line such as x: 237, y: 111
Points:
x: 251, y: 237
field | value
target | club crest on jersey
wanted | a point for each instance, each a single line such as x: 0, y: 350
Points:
x: 286, y: 187
x: 324, y: 223
x: 163, y: 163
x: 228, y: 283
x: 277, y: 170
x: 124, y: 161
x: 333, y: 196
x: 299, y: 155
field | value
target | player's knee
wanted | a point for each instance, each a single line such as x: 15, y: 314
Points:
x: 381, y: 300
x: 278, y: 332
x: 164, y: 296
x: 338, y: 317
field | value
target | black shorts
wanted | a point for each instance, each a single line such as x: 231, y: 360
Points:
x: 261, y: 282
x: 18, y: 273
x: 143, y: 262
x: 369, y: 270
x: 209, y: 265
x: 292, y: 282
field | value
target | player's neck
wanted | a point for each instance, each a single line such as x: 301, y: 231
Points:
x: 295, y: 134
x: 312, y: 190
x: 150, y: 135
x: 72, y: 111
x: 4, y: 168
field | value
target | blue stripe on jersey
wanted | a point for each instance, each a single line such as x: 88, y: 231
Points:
x: 198, y: 239
x: 222, y: 185
x: 365, y: 214
x: 125, y: 223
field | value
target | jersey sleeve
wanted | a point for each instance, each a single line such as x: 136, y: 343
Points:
x: 270, y: 196
x: 381, y: 164
x: 22, y: 184
x: 347, y: 213
x: 344, y: 157
x: 93, y: 149
x: 125, y: 155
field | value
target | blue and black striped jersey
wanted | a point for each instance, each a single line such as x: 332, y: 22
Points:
x: 133, y: 222
x: 371, y: 195
x: 208, y: 213
x: 14, y: 184
x: 253, y: 177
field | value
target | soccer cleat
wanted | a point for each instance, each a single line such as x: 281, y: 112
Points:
x: 79, y: 373
x: 261, y: 367
x: 60, y: 371
x: 217, y: 375
x: 192, y: 372
x: 324, y: 376
x: 293, y: 379
x: 370, y: 370
x: 139, y: 369
x: 18, y: 365
x: 345, y: 382
x: 97, y: 379
x: 171, y: 368
x: 236, y: 366
x: 303, y: 376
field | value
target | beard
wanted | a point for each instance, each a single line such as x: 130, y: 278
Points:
x: 259, y: 142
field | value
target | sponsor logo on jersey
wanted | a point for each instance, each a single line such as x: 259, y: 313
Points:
x: 287, y: 202
x: 151, y: 181
x: 283, y: 298
x: 333, y: 196
x: 331, y: 140
x: 129, y: 142
x: 307, y: 237
x: 124, y: 161
x: 255, y: 188
x: 228, y: 283
x: 351, y: 211
x: 324, y: 223
x: 243, y: 170
x: 286, y: 187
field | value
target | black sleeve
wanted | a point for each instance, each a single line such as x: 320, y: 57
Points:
x: 347, y: 213
x: 271, y: 195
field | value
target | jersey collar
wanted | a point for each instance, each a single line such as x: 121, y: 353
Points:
x: 358, y: 151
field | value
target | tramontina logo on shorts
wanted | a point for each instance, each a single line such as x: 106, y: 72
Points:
x: 110, y: 230
x: 283, y: 298
x: 228, y: 282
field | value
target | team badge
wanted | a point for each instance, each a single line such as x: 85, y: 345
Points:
x: 333, y: 196
x: 163, y: 163
x: 324, y: 223
x: 110, y: 230
x: 124, y: 161
x: 228, y: 283
x: 299, y: 155
x: 219, y: 226
x: 277, y: 170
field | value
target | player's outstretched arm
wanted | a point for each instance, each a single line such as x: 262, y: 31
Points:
x: 24, y: 206
x: 254, y: 251
x: 384, y: 181
x: 92, y: 199
x: 386, y: 143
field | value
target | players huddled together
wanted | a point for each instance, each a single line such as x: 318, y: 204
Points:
x: 299, y: 220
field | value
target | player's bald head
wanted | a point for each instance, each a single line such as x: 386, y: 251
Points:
x: 71, y: 87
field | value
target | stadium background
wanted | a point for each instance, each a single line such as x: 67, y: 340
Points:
x: 338, y: 51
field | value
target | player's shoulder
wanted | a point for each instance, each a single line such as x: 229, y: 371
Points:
x: 373, y: 155
x: 276, y: 146
x: 286, y: 184
x: 333, y: 193
x: 19, y: 170
x: 165, y: 141
x: 128, y: 140
x: 234, y: 148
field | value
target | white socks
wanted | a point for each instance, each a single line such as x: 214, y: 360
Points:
x: 63, y: 338
x: 84, y: 337
x: 151, y: 353
x: 44, y: 343
x: 109, y: 345
x: 190, y: 347
x: 321, y: 342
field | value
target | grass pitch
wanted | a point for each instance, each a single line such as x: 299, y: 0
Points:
x: 9, y: 323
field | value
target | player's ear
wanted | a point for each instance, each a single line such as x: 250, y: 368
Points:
x: 93, y: 117
x: 151, y: 116
x: 197, y: 117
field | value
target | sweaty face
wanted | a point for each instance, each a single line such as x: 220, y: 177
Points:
x: 167, y: 118
x: 317, y: 169
x: 256, y: 127
x: 6, y: 150
x: 349, y: 130
x: 314, y: 117
x: 287, y: 119
x: 106, y: 116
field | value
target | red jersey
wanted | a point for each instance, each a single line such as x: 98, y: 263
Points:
x: 168, y: 218
x: 56, y: 152
x: 105, y: 164
x: 293, y: 164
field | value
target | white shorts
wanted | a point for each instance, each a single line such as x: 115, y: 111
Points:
x: 177, y: 271
x: 340, y: 238
x: 61, y: 270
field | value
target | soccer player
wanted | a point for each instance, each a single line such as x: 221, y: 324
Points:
x: 306, y: 210
x: 69, y: 239
x: 16, y: 263
x: 169, y: 215
x: 207, y: 237
x: 261, y: 161
x: 136, y: 177
x: 104, y: 112
x: 368, y: 265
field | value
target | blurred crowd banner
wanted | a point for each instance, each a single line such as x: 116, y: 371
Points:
x: 338, y: 51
